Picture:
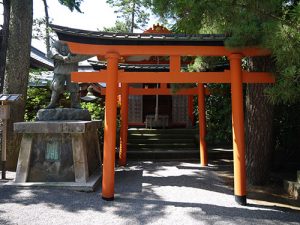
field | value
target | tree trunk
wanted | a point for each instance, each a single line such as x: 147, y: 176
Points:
x: 4, y: 42
x: 47, y: 41
x: 17, y: 69
x: 259, y: 126
x: 132, y: 17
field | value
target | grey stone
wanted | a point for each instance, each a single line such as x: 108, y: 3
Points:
x: 51, y: 169
x: 24, y: 159
x: 56, y: 126
x: 59, y: 153
x: 292, y: 188
x: 63, y: 114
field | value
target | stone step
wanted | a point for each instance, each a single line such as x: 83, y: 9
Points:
x: 175, y: 154
x: 160, y: 154
x: 161, y: 145
x: 161, y: 131
x: 161, y: 136
x: 160, y: 140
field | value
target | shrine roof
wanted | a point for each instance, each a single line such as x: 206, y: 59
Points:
x: 97, y: 65
x: 108, y: 38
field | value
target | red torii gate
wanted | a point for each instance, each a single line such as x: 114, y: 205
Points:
x: 115, y: 45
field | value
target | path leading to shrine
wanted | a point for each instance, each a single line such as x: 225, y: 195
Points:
x: 148, y: 193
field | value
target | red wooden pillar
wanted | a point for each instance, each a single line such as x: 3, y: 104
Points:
x: 238, y: 129
x: 202, y: 124
x: 110, y: 125
x: 124, y: 124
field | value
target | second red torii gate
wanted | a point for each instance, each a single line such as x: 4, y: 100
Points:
x: 114, y: 45
x: 125, y: 91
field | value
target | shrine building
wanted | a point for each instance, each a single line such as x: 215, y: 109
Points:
x: 140, y: 67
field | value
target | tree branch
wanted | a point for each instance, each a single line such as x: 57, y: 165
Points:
x: 285, y: 22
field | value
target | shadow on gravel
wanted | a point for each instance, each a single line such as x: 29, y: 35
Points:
x: 137, y: 200
x: 252, y: 214
x: 3, y: 221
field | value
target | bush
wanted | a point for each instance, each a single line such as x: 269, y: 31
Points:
x: 37, y: 98
x: 218, y: 115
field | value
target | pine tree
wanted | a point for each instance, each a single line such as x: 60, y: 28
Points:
x: 4, y: 40
x: 133, y: 12
x: 17, y: 69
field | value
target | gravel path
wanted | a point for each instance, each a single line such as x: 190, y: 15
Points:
x: 146, y: 193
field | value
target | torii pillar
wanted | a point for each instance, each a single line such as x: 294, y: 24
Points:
x: 202, y: 124
x: 238, y: 133
x: 110, y: 125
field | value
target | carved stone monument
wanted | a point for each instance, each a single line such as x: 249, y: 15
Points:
x: 59, y: 153
x: 62, y: 147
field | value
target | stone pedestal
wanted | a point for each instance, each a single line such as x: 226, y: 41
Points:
x: 59, y: 153
x: 293, y: 187
x: 63, y: 114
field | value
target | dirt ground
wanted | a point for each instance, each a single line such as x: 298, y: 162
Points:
x: 270, y: 194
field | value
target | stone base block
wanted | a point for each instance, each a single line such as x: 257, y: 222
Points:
x: 292, y: 188
x: 63, y: 114
x: 88, y: 186
x: 60, y: 154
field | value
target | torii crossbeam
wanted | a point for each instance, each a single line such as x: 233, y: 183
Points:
x: 112, y: 46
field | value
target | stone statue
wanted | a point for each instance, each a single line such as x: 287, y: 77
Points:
x: 64, y: 63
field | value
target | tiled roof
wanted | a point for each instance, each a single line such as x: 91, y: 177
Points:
x: 108, y: 38
x: 99, y: 65
x: 39, y: 59
x: 133, y: 68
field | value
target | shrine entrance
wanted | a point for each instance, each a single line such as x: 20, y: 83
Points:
x: 115, y: 46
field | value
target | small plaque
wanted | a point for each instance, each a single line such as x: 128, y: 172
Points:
x: 9, y: 97
x: 52, y: 152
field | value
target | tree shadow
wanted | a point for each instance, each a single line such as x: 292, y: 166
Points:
x: 144, y: 194
x: 250, y: 214
x: 2, y: 220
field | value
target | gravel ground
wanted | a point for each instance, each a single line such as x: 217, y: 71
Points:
x: 146, y: 193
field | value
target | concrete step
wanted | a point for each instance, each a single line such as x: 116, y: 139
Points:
x: 161, y: 131
x: 160, y: 140
x: 161, y: 136
x: 177, y: 154
x: 161, y: 146
x: 159, y: 154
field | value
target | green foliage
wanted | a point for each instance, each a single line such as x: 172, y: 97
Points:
x: 72, y: 4
x: 273, y: 24
x: 37, y: 98
x: 218, y: 114
x: 217, y: 104
x: 133, y: 12
x: 287, y: 132
x: 96, y: 111
x: 120, y: 26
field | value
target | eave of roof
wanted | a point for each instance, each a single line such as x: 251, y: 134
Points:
x: 98, y: 65
x: 39, y: 59
x: 133, y: 68
x: 107, y: 38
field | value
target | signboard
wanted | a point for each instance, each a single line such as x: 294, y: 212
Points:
x: 9, y: 97
x: 5, y: 100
